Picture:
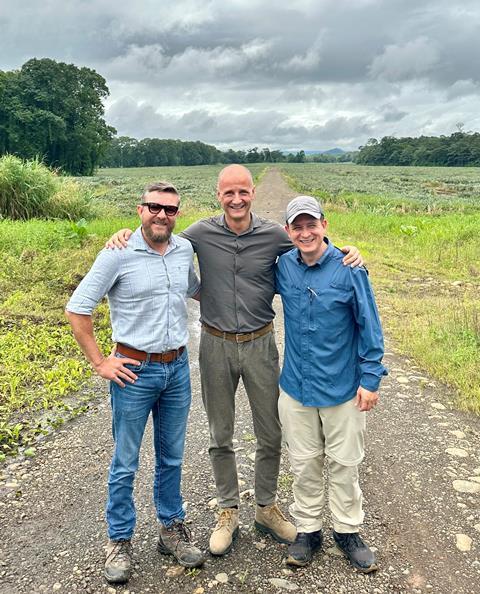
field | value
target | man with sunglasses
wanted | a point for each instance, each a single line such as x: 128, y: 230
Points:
x: 236, y: 252
x: 147, y: 286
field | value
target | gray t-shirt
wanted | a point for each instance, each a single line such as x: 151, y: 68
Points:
x: 237, y: 271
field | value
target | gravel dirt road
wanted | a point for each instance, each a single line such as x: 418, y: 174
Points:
x: 421, y: 483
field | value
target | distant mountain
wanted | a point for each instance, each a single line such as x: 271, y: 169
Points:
x: 334, y: 151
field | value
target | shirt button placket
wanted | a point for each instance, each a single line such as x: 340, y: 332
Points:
x: 168, y: 301
x: 235, y: 268
x: 305, y: 322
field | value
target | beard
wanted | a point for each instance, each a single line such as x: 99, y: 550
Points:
x: 159, y: 236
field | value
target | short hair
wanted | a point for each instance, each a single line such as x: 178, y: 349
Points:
x: 161, y: 186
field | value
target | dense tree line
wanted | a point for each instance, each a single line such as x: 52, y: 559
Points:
x: 54, y: 112
x: 458, y: 150
x: 152, y: 152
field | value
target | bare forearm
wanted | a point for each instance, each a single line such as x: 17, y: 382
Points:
x: 82, y: 327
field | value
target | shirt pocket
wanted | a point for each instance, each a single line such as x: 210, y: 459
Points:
x: 179, y: 278
x: 328, y: 309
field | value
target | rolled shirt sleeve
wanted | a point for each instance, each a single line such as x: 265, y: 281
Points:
x: 193, y: 282
x: 96, y: 283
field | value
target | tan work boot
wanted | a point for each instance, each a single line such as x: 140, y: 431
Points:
x: 270, y: 520
x: 118, y: 564
x: 225, y: 532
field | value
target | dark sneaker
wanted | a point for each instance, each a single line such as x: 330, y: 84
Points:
x: 118, y: 564
x: 301, y: 551
x: 356, y: 551
x: 176, y: 540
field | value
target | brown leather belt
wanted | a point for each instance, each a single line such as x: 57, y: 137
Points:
x: 166, y: 357
x: 242, y: 337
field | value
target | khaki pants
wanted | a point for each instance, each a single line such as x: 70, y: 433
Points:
x: 222, y: 364
x: 311, y: 434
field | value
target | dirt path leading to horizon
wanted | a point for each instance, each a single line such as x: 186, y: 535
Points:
x: 420, y: 478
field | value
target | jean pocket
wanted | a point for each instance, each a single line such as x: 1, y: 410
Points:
x: 134, y: 368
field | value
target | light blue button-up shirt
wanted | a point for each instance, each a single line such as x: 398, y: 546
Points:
x: 146, y: 292
x: 333, y: 336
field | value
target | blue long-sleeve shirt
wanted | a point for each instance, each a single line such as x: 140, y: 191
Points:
x: 334, y: 340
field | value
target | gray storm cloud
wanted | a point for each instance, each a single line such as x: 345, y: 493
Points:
x: 312, y: 74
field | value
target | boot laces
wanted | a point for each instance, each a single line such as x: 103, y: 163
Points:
x: 180, y: 533
x: 121, y: 551
x: 275, y: 510
x: 353, y: 541
x: 224, y: 518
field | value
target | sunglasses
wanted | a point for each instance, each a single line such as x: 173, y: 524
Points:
x: 155, y: 208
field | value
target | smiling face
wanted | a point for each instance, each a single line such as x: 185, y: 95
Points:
x: 157, y: 228
x: 307, y: 234
x: 235, y: 192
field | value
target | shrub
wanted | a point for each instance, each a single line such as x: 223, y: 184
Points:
x: 71, y: 201
x: 29, y: 189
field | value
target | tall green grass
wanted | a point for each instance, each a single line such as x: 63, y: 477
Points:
x: 29, y: 189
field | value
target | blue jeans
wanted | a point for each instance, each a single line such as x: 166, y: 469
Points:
x: 164, y: 389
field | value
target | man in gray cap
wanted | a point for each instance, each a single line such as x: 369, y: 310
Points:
x: 330, y: 378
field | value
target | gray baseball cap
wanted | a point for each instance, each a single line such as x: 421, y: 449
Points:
x: 303, y: 205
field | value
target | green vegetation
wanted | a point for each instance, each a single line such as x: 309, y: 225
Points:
x: 160, y: 152
x: 383, y: 190
x: 457, y: 150
x: 423, y: 258
x: 54, y: 112
x: 29, y: 189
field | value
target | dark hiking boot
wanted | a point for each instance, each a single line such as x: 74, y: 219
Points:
x: 118, y: 564
x: 356, y: 551
x: 301, y: 551
x: 176, y: 540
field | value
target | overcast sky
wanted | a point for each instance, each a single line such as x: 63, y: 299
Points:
x: 314, y: 74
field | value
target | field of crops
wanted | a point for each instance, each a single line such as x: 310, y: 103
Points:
x: 122, y: 187
x: 384, y: 189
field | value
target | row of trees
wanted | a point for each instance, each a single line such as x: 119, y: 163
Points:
x: 54, y: 111
x: 458, y: 150
x: 152, y: 152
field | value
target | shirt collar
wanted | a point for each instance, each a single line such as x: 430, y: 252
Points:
x: 138, y: 242
x: 327, y: 254
x: 254, y: 222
